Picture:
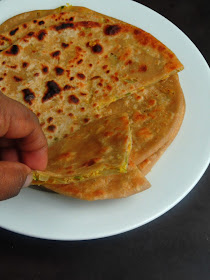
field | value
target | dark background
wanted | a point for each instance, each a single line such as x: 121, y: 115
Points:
x: 174, y: 246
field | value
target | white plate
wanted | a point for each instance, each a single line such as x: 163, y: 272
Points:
x: 52, y: 216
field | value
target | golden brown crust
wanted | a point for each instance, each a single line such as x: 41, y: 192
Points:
x: 156, y: 114
x: 146, y: 165
x: 100, y: 148
x: 105, y: 187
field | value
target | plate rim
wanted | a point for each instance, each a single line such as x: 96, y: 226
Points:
x: 134, y: 226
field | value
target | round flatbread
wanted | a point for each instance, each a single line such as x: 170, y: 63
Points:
x: 92, y: 63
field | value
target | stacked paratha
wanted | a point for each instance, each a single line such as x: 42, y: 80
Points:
x: 79, y: 71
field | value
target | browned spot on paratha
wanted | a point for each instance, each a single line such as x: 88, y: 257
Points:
x: 28, y: 95
x: 52, y: 90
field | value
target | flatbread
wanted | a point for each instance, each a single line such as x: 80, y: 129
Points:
x: 71, y: 81
x: 13, y: 22
x: 105, y: 187
x: 100, y: 148
x: 92, y: 63
x: 156, y: 114
x: 146, y: 165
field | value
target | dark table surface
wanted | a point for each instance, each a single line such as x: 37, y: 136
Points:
x: 174, y: 246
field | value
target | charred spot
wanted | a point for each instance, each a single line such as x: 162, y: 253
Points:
x: 28, y: 95
x: 112, y: 29
x: 64, y: 45
x: 35, y: 21
x: 80, y: 61
x: 114, y: 78
x: 137, y: 31
x: 80, y: 76
x: 38, y: 114
x: 109, y: 87
x: 67, y: 87
x: 50, y: 119
x: 63, y: 26
x: 97, y: 48
x: 41, y: 35
x: 105, y: 67
x: 12, y: 32
x: 83, y: 94
x: 90, y: 65
x: 152, y: 102
x: 100, y: 84
x: 108, y: 71
x: 59, y: 71
x: 128, y: 62
x: 71, y: 18
x: 71, y: 115
x: 14, y: 50
x: 3, y: 89
x: 25, y: 25
x: 143, y: 68
x: 13, y: 67
x: 86, y: 120
x: 78, y: 49
x: 25, y: 64
x: 45, y: 69
x: 71, y: 79
x: 4, y: 62
x: 55, y: 54
x: 108, y: 133
x: 59, y: 111
x: 17, y: 79
x: 1, y: 79
x: 30, y: 34
x: 89, y: 24
x: 95, y: 77
x: 82, y: 109
x: 82, y: 34
x: 91, y: 162
x: 52, y: 90
x: 41, y: 22
x: 36, y: 74
x: 88, y: 44
x: 73, y: 99
x: 51, y: 128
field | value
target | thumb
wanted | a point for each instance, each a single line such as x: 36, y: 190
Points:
x: 13, y: 176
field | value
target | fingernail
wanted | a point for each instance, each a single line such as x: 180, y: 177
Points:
x: 28, y: 181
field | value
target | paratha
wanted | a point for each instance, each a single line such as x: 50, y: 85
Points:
x: 100, y: 148
x: 72, y: 66
x: 156, y: 114
x: 90, y: 64
x: 105, y: 187
x: 18, y: 20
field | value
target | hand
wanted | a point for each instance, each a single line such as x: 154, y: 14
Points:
x: 23, y: 147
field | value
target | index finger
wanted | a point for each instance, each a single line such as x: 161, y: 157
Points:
x: 18, y: 122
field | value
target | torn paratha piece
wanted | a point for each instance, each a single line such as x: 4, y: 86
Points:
x: 105, y: 187
x: 100, y: 148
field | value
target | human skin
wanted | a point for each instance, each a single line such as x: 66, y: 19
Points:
x: 23, y: 147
